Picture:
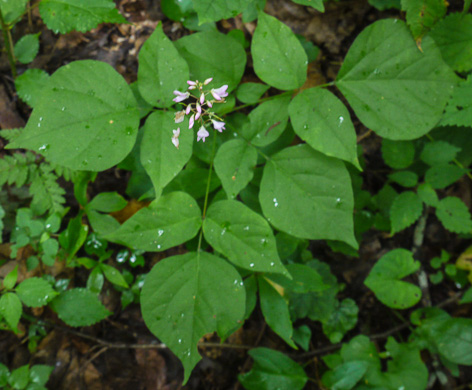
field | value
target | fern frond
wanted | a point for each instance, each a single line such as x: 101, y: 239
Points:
x: 10, y: 134
x: 17, y: 169
x: 47, y: 193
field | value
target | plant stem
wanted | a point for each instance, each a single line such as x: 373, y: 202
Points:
x: 8, y: 44
x: 207, y: 192
x: 260, y: 101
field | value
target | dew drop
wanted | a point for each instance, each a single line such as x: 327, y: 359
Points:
x: 180, y: 341
x: 272, y: 263
x: 223, y: 231
x: 160, y: 232
x: 246, y: 228
x: 276, y: 204
x: 341, y: 120
x: 63, y: 109
x: 251, y: 265
x: 158, y: 247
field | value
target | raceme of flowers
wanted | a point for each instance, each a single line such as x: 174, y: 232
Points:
x: 201, y: 100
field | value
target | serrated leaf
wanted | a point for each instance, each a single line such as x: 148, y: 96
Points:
x: 12, y: 9
x: 27, y: 48
x: 427, y: 194
x: 185, y: 297
x: 215, y: 10
x: 234, y: 164
x: 10, y: 279
x: 304, y: 279
x: 19, y: 377
x: 169, y: 221
x: 441, y: 176
x: 87, y: 118
x: 243, y: 236
x: 267, y: 122
x: 459, y: 108
x: 275, y: 310
x: 308, y: 195
x: 273, y: 370
x: 404, y: 178
x: 390, y: 83
x: 346, y: 375
x: 323, y: 121
x: 79, y: 307
x: 421, y: 15
x: 40, y: 373
x: 302, y: 336
x: 316, y: 4
x: 212, y: 54
x: 63, y: 16
x: 278, y: 56
x: 161, y: 160
x: 398, y: 154
x: 250, y: 93
x: 342, y: 319
x: 113, y: 275
x: 406, y: 209
x: 10, y: 309
x: 385, y: 279
x: 161, y: 70
x: 454, y: 215
x: 439, y: 152
x: 107, y: 202
x: 453, y: 35
x: 35, y: 292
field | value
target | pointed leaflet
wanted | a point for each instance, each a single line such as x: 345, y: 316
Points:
x: 308, y: 195
x: 454, y: 215
x: 212, y: 54
x: 385, y: 279
x: 185, y: 297
x: 12, y: 9
x: 30, y: 85
x: 279, y: 58
x: 64, y: 16
x: 10, y: 309
x: 169, y: 221
x: 215, y: 10
x: 86, y: 119
x: 316, y: 4
x: 161, y: 160
x: 459, y: 109
x: 394, y: 88
x: 35, y: 292
x: 243, y: 236
x: 421, y: 15
x: 323, y: 121
x: 161, y: 70
x: 235, y: 162
x: 405, y: 210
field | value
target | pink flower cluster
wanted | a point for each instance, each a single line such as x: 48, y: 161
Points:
x: 199, y: 109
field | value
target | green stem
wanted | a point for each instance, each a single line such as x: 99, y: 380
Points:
x: 8, y: 44
x: 207, y: 192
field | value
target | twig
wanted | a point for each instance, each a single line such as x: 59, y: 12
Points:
x: 365, y: 135
x: 8, y: 44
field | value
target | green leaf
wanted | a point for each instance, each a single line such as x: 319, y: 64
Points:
x: 87, y: 118
x: 12, y: 9
x: 4, y: 374
x: 439, y: 152
x: 383, y: 5
x: 161, y: 70
x: 442, y: 176
x: 169, y: 221
x: 454, y: 340
x: 421, y: 15
x: 234, y: 164
x: 10, y: 309
x: 404, y: 178
x: 302, y: 336
x: 454, y: 215
x: 275, y: 311
x: 35, y: 292
x: 267, y: 122
x: 427, y: 194
x: 215, y: 10
x: 467, y: 297
x: 19, y: 378
x: 278, y: 56
x: 453, y: 35
x: 385, y: 279
x: 459, y: 109
x: 159, y: 157
x: 10, y: 279
x: 346, y: 375
x: 398, y: 154
x: 185, y: 297
x: 250, y: 93
x: 27, y: 48
x: 79, y: 307
x: 212, y: 54
x: 40, y: 373
x: 308, y: 195
x: 63, y: 16
x: 107, y: 202
x: 177, y: 10
x: 113, y: 275
x: 304, y: 279
x: 243, y: 236
x: 323, y: 121
x: 273, y: 370
x: 316, y: 4
x: 95, y: 281
x: 342, y: 319
x: 390, y: 83
x: 405, y: 211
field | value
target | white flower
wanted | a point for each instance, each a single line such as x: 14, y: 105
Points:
x: 181, y: 96
x: 220, y: 126
x: 187, y: 111
x: 179, y: 116
x: 190, y: 82
x: 202, y: 98
x: 191, y: 121
x: 220, y: 93
x: 208, y: 81
x: 175, y: 137
x: 202, y: 134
